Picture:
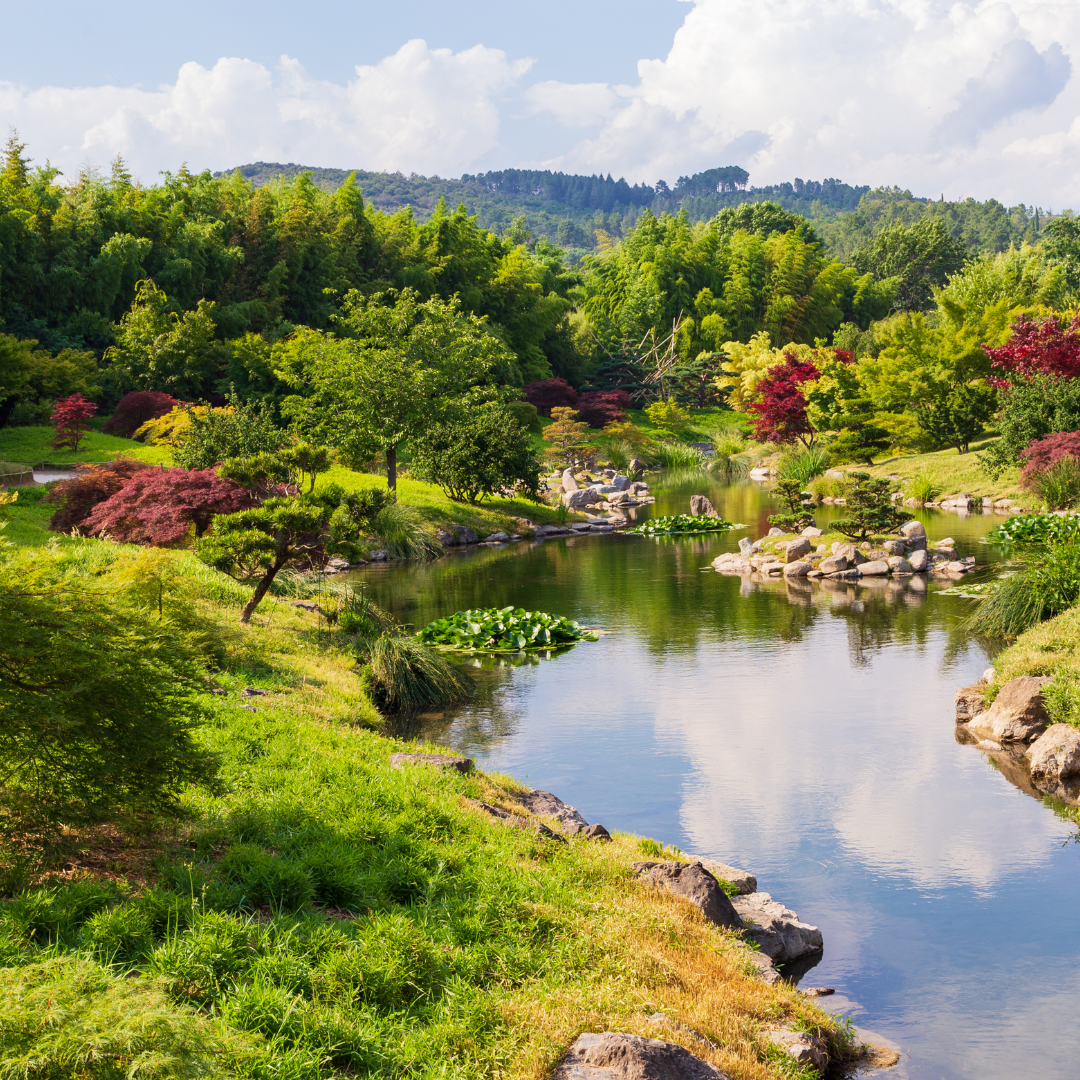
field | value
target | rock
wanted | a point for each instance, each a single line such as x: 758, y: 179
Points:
x: 846, y: 575
x: 796, y: 549
x: 743, y: 881
x: 638, y: 488
x: 516, y: 821
x: 911, y: 529
x: 337, y: 564
x: 612, y: 1055
x: 568, y: 481
x: 874, y: 569
x: 692, y: 882
x: 1018, y: 713
x: 774, y: 531
x: 699, y: 504
x: 575, y: 500
x: 442, y: 761
x: 621, y: 498
x: 594, y: 832
x: 812, y: 531
x: 850, y: 552
x: 445, y: 537
x: 496, y: 538
x: 957, y: 567
x: 970, y: 701
x: 797, y: 569
x: 636, y: 468
x: 306, y: 605
x: 775, y: 929
x: 918, y: 560
x: 899, y: 565
x: 817, y: 991
x: 621, y: 482
x: 544, y: 804
x: 1056, y: 752
x: 745, y: 544
x: 379, y: 555
x: 253, y: 691
x: 464, y: 534
x: 806, y: 1049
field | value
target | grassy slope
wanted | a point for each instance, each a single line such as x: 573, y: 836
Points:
x: 31, y: 445
x: 334, y: 915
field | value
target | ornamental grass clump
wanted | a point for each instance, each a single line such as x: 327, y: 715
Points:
x: 403, y: 675
x: 923, y: 487
x: 683, y: 525
x: 506, y: 629
x: 803, y: 465
x: 1059, y: 484
x: 676, y: 455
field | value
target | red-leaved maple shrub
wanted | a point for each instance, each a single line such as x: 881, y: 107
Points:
x: 600, y: 407
x: 69, y: 417
x: 780, y: 411
x: 548, y: 394
x: 1040, y: 454
x: 134, y: 409
x: 1040, y: 346
x: 159, y: 506
x: 78, y: 496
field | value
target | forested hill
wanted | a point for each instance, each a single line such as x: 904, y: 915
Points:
x: 577, y: 211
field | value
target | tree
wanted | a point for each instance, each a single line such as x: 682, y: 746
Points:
x: 212, y: 435
x: 94, y: 484
x: 670, y: 417
x: 1040, y: 346
x: 780, y: 411
x: 97, y: 704
x: 69, y: 417
x: 869, y: 508
x: 957, y: 415
x: 255, y: 545
x: 799, y: 514
x: 402, y: 365
x: 162, y: 506
x: 1044, y: 453
x: 569, y: 442
x: 479, y: 453
x: 1031, y: 408
x: 919, y: 257
x: 134, y: 409
x: 550, y: 393
x: 599, y: 407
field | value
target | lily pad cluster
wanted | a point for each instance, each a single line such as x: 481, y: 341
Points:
x: 683, y: 525
x: 507, y: 629
x: 1034, y: 529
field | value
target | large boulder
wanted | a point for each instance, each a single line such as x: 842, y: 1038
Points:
x: 699, y: 504
x: 833, y: 565
x: 745, y: 544
x: 899, y: 565
x: 636, y: 468
x: 874, y: 569
x: 797, y: 548
x: 970, y: 701
x: 799, y: 568
x: 613, y: 1055
x: 744, y: 881
x: 621, y: 482
x: 545, y: 804
x: 1018, y: 714
x: 692, y: 882
x: 568, y: 481
x: 1055, y: 753
x: 912, y: 529
x: 777, y: 931
x: 918, y: 560
x: 464, y: 534
x: 576, y: 500
x: 806, y: 1049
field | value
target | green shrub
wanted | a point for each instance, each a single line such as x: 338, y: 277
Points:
x: 1035, y: 529
x: 833, y: 487
x: 923, y: 487
x: 675, y: 455
x: 619, y: 453
x: 201, y: 963
x: 119, y: 935
x: 403, y: 675
x: 243, y: 431
x: 800, y: 511
x: 1059, y: 485
x: 870, y: 508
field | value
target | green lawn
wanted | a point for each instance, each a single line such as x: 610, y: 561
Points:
x: 31, y: 445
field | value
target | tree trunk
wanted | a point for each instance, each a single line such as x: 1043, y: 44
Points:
x: 391, y: 468
x: 280, y: 559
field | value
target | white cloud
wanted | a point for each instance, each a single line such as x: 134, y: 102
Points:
x: 573, y: 104
x: 923, y: 93
x: 421, y: 109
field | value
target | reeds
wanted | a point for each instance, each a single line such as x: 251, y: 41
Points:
x: 803, y: 465
x: 403, y: 534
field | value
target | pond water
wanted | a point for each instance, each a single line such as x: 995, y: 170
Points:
x: 806, y: 735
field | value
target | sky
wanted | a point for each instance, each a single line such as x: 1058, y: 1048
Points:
x: 956, y: 98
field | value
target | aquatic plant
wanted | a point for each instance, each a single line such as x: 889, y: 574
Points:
x: 1034, y: 529
x: 683, y: 525
x: 507, y: 629
x: 1059, y: 484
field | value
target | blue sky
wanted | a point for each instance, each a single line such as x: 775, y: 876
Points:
x: 961, y: 97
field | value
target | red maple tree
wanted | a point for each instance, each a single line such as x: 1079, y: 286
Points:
x: 1039, y: 346
x: 69, y: 417
x: 780, y: 411
x: 93, y: 484
x: 1040, y: 454
x: 160, y: 506
x: 600, y: 407
x: 134, y: 409
x: 548, y: 394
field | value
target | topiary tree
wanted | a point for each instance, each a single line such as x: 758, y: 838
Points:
x: 94, y: 484
x: 162, y: 506
x: 799, y: 514
x: 569, y: 443
x: 870, y: 508
x: 69, y: 417
x: 134, y: 409
x: 478, y: 454
x: 97, y: 704
x: 257, y: 544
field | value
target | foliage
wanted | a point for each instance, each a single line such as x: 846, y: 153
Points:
x: 676, y: 455
x: 600, y: 407
x: 924, y: 487
x: 352, y: 518
x: 780, y: 411
x: 1042, y: 453
x: 683, y: 525
x: 1034, y: 529
x: 506, y: 629
x: 97, y: 704
x: 32, y: 379
x: 670, y: 417
x: 134, y: 409
x: 212, y: 435
x: 568, y: 439
x: 69, y: 418
x: 547, y: 394
x: 799, y: 509
x: 402, y: 675
x: 477, y: 454
x: 255, y: 545
x: 1040, y: 346
x: 746, y: 365
x: 525, y: 416
x: 303, y: 462
x: 957, y: 416
x: 403, y: 534
x: 1058, y: 485
x: 94, y: 484
x: 801, y: 466
x: 400, y: 366
x: 869, y: 508
x: 1047, y: 586
x: 162, y: 506
x: 1031, y: 408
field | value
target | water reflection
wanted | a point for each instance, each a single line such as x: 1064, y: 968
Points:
x: 803, y: 730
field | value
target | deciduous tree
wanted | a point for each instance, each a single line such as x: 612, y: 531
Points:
x: 780, y: 411
x: 69, y: 417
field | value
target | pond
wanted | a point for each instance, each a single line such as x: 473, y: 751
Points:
x: 803, y: 734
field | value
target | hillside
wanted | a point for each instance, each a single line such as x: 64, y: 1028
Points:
x: 568, y: 209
